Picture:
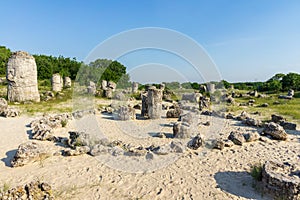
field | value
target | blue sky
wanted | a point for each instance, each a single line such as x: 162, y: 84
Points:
x: 247, y: 40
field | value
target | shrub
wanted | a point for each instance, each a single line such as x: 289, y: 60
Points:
x: 256, y: 171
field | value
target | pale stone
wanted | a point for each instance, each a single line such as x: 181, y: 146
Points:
x: 57, y: 83
x: 21, y: 75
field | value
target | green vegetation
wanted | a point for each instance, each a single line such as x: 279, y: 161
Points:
x: 4, y: 56
x: 288, y: 108
x: 256, y: 171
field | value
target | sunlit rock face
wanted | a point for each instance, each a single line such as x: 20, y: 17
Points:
x: 21, y: 75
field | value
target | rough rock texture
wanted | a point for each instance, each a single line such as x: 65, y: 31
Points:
x: 196, y: 142
x: 57, y: 83
x: 192, y: 97
x: 103, y: 84
x: 27, y: 153
x: 135, y: 87
x: 125, y: 113
x: 243, y: 116
x: 252, y: 122
x: 3, y: 104
x: 5, y: 111
x: 154, y: 100
x: 218, y: 144
x: 275, y: 130
x: 251, y: 136
x: 67, y: 82
x: 35, y: 190
x: 91, y: 89
x: 21, y: 75
x: 204, y: 103
x: 182, y: 130
x: 211, y: 88
x: 79, y: 150
x: 281, y: 180
x: 288, y: 125
x: 174, y: 113
x: 108, y: 93
x: 120, y: 96
x: 277, y: 118
x: 237, y: 138
x: 112, y: 85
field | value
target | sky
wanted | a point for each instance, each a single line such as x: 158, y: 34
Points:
x: 246, y: 40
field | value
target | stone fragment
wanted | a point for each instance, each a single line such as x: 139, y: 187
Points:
x: 275, y: 130
x: 196, y: 142
x: 125, y: 113
x: 29, y: 152
x: 237, y: 138
x: 67, y: 82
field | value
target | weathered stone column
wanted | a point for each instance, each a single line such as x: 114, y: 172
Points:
x: 154, y: 103
x: 21, y: 75
x: 67, y: 82
x: 144, y: 111
x: 57, y: 83
x: 211, y: 87
x: 135, y: 87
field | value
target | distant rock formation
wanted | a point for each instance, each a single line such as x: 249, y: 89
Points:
x: 21, y: 75
x: 57, y: 83
x: 67, y: 82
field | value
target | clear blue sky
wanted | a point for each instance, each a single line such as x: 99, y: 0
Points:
x: 247, y: 39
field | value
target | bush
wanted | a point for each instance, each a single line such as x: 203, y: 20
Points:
x: 256, y: 172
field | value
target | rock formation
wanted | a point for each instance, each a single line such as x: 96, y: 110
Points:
x: 22, y: 78
x: 135, y: 87
x: 67, y: 82
x: 154, y: 100
x: 56, y: 82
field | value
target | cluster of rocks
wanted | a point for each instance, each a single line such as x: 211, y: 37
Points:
x: 282, y: 180
x: 6, y: 111
x: 174, y: 112
x: 34, y: 190
x: 108, y: 88
x: 29, y: 152
x: 58, y: 83
x: 42, y: 129
x: 282, y: 122
x: 275, y: 131
x: 289, y: 95
x: 125, y: 113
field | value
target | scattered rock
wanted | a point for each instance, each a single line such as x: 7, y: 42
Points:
x: 288, y: 125
x: 174, y: 113
x: 264, y: 105
x: 125, y: 113
x: 252, y: 122
x: 275, y: 130
x: 237, y: 138
x: 218, y: 144
x: 181, y: 130
x: 251, y: 136
x: 196, y: 142
x: 34, y: 190
x: 177, y: 147
x: 191, y: 97
x: 277, y: 118
x: 99, y: 149
x: 29, y: 152
x: 79, y: 150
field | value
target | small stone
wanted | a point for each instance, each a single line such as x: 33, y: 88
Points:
x: 236, y: 137
x: 196, y: 142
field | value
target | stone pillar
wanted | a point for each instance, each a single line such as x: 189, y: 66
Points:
x: 67, y: 82
x: 162, y: 87
x: 91, y: 89
x: 112, y: 85
x: 144, y: 111
x: 21, y: 75
x: 103, y: 84
x: 154, y: 103
x: 135, y: 87
x: 57, y: 83
x: 211, y: 87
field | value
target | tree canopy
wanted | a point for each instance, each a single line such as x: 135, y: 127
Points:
x: 4, y: 56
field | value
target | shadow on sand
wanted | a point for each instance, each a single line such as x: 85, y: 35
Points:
x: 239, y: 184
x: 9, y: 156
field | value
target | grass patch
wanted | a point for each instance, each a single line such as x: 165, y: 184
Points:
x: 256, y: 171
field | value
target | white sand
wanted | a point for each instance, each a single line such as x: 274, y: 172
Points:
x: 201, y: 174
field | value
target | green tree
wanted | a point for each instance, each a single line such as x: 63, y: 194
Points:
x: 4, y: 56
x: 291, y: 81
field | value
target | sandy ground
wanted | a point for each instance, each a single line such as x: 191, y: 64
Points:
x: 200, y: 174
